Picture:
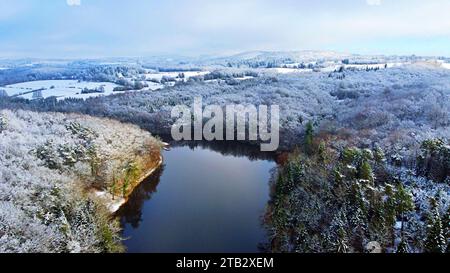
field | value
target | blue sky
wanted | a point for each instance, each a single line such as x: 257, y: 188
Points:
x: 107, y: 28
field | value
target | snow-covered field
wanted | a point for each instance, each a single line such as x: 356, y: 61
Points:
x: 153, y: 86
x: 330, y: 67
x: 73, y: 88
x: 152, y: 75
x: 446, y: 65
x: 281, y: 70
x: 58, y: 88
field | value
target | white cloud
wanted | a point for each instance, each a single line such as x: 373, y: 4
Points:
x: 373, y: 2
x: 74, y: 2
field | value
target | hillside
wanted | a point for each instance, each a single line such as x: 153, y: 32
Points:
x: 50, y: 164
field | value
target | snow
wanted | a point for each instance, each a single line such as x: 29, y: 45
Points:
x: 73, y: 89
x: 30, y: 190
x: 244, y: 78
x: 112, y: 203
x: 62, y: 89
x: 151, y: 75
x: 334, y: 67
x: 153, y: 86
x: 330, y: 67
x: 446, y: 65
x: 289, y: 70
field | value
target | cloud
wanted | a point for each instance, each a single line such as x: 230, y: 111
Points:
x: 373, y: 2
x: 74, y: 3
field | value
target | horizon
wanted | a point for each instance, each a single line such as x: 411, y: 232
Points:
x: 98, y: 29
x: 177, y: 57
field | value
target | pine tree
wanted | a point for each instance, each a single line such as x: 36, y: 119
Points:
x: 379, y: 155
x: 390, y: 210
x: 309, y: 138
x: 360, y: 227
x: 358, y: 199
x: 366, y: 172
x: 339, y: 186
x: 435, y: 242
x: 322, y: 151
x: 389, y: 205
x: 446, y: 224
x: 131, y: 173
x: 341, y: 245
x: 342, y: 241
x: 404, y: 202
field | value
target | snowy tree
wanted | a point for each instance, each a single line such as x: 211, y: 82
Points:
x: 341, y: 243
x: 3, y: 123
x: 404, y: 202
x: 379, y: 155
x: 446, y: 226
x: 390, y: 205
x: 365, y: 171
x: 435, y: 242
x: 45, y: 174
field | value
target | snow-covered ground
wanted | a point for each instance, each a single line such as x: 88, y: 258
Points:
x: 330, y: 67
x: 446, y: 65
x: 281, y: 70
x: 58, y: 88
x: 152, y: 75
x: 73, y: 88
x: 244, y: 78
x: 153, y: 86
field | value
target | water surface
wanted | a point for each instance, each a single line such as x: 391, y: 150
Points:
x: 200, y: 201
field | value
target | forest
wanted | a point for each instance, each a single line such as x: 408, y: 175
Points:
x: 51, y: 166
x: 364, y: 158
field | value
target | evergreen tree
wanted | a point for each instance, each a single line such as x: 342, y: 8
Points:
x: 358, y: 199
x: 365, y: 171
x: 342, y: 241
x: 350, y: 155
x: 322, y: 152
x: 389, y: 205
x: 390, y: 214
x: 309, y: 138
x: 339, y: 185
x: 131, y: 173
x: 341, y: 245
x: 446, y: 224
x: 360, y: 227
x: 379, y: 155
x: 404, y: 202
x: 435, y: 242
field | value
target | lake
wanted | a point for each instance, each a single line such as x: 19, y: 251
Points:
x: 204, y: 199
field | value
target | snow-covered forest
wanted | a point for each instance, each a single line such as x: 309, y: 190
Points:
x: 50, y: 165
x: 364, y: 146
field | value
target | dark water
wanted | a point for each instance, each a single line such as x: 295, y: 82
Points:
x: 200, y: 201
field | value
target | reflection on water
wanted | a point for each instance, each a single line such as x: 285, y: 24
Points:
x: 132, y: 212
x: 230, y: 148
x: 200, y: 201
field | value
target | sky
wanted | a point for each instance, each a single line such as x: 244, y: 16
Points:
x: 139, y: 28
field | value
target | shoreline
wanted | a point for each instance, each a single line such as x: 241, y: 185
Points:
x: 112, y: 203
